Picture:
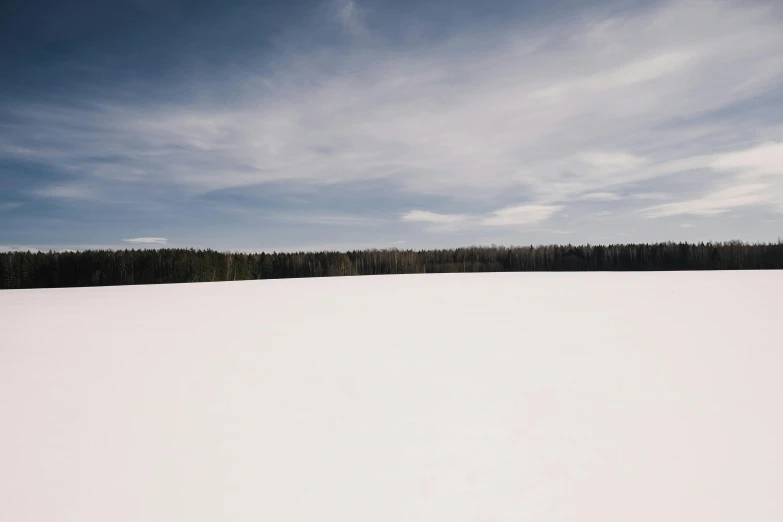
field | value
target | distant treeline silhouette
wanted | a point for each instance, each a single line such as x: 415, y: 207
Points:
x: 128, y: 267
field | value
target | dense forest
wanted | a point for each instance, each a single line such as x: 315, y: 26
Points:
x: 127, y: 267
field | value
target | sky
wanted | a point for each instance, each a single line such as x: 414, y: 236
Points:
x: 342, y: 124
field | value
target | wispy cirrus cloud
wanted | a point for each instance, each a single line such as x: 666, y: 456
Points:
x: 765, y: 159
x: 146, y: 240
x: 610, y: 162
x: 534, y: 118
x: 650, y: 196
x: 66, y: 191
x: 521, y: 215
x: 423, y: 216
x: 445, y: 119
x: 756, y: 176
x: 516, y: 215
x: 350, y: 15
x: 600, y: 196
x: 714, y: 203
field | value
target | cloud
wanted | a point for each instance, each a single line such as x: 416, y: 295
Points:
x: 147, y: 240
x: 600, y: 196
x: 651, y: 195
x: 10, y: 205
x: 579, y: 108
x: 327, y: 219
x: 18, y: 248
x: 636, y: 72
x: 69, y: 191
x: 714, y: 203
x: 516, y: 215
x: 763, y: 160
x: 423, y: 216
x: 611, y: 161
x: 756, y: 173
x: 521, y: 215
x: 349, y: 15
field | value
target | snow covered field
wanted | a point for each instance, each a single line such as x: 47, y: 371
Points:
x: 481, y: 397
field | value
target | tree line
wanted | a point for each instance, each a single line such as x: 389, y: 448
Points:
x: 156, y: 266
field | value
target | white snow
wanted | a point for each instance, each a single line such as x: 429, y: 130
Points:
x: 487, y: 397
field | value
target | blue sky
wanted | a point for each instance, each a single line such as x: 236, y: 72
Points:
x: 347, y: 124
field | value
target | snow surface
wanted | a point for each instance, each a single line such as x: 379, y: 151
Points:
x: 487, y: 397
